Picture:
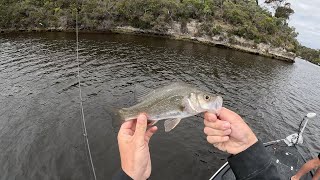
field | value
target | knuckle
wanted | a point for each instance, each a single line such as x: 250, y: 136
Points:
x: 221, y: 124
x: 142, y: 127
x: 227, y: 132
x: 225, y: 138
x: 212, y: 125
x: 211, y: 117
x: 205, y: 122
x: 216, y: 125
x: 219, y: 133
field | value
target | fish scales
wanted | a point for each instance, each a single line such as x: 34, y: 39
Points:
x: 172, y: 103
x: 157, y: 109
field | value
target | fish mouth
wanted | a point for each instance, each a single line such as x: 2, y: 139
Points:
x: 217, y: 105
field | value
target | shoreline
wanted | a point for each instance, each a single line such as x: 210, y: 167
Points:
x: 238, y: 44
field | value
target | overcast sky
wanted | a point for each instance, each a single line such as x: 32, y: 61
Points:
x: 306, y: 20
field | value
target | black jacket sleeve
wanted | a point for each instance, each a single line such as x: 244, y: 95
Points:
x: 254, y: 163
x: 121, y: 175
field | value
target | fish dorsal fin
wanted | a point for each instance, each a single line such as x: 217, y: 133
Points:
x: 141, y: 92
x: 170, y: 124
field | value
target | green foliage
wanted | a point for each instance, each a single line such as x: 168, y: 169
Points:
x: 242, y: 17
x: 216, y: 30
x: 152, y: 14
x: 283, y: 12
x: 316, y: 61
x: 235, y: 13
x: 252, y: 22
x: 282, y: 8
x: 265, y: 23
x: 309, y: 54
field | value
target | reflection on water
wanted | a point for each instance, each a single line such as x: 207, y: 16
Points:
x: 40, y: 127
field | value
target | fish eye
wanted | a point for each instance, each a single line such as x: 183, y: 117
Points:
x: 207, y: 97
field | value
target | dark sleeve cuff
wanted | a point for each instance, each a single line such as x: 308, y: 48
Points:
x: 121, y: 175
x: 251, y: 162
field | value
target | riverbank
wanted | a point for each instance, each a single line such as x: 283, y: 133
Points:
x: 241, y: 25
x: 190, y: 33
x: 233, y: 42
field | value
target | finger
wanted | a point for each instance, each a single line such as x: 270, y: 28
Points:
x: 219, y: 125
x: 213, y: 132
x: 220, y: 146
x: 126, y: 128
x: 217, y: 139
x: 133, y: 127
x: 210, y: 116
x: 150, y: 132
x: 126, y: 125
x: 228, y: 115
x: 141, y: 127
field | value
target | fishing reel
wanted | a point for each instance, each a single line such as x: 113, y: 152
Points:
x: 297, y: 138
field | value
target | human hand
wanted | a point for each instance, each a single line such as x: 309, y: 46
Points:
x: 133, y: 140
x: 228, y: 132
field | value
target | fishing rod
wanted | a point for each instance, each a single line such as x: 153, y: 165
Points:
x: 84, y: 127
x: 295, y: 138
x: 307, y: 117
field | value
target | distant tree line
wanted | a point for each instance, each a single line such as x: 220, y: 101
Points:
x: 243, y: 18
x: 309, y: 54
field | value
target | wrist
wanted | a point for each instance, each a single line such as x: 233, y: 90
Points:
x: 131, y: 173
x: 249, y: 163
x: 251, y: 140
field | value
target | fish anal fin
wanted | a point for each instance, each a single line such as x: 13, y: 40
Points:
x: 171, y: 124
x: 151, y: 122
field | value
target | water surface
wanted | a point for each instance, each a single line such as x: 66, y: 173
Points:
x: 40, y: 125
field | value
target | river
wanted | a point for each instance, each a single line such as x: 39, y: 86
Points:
x: 40, y: 123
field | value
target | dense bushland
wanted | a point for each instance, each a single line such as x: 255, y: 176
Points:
x: 243, y: 18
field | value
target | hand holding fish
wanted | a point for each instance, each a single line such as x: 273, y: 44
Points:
x: 133, y: 140
x: 228, y: 132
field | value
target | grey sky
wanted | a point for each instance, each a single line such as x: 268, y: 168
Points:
x: 306, y: 20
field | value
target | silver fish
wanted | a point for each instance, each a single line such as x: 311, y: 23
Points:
x: 172, y: 103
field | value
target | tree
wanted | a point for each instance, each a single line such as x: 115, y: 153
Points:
x: 282, y: 8
x: 284, y: 11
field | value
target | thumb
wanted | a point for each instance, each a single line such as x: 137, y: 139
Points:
x: 141, y: 127
x: 230, y: 116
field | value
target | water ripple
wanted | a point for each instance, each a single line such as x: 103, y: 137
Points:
x: 40, y: 131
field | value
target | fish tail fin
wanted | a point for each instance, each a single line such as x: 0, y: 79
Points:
x: 117, y: 118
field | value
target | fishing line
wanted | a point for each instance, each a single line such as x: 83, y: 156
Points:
x: 85, y: 134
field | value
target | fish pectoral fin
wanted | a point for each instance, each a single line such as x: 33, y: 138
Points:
x: 151, y: 123
x: 170, y: 124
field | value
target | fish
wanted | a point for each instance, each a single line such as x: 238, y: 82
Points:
x: 171, y: 103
